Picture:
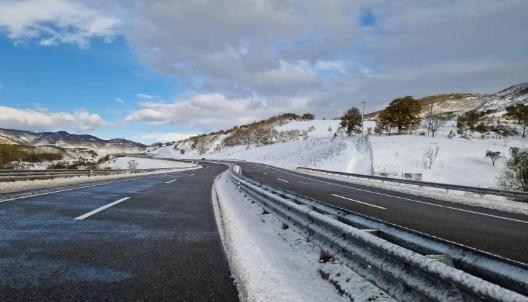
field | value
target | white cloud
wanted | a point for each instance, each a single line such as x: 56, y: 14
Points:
x: 51, y: 22
x: 120, y: 101
x: 214, y: 110
x: 290, y: 49
x: 37, y: 120
x: 145, y: 97
x: 164, y: 137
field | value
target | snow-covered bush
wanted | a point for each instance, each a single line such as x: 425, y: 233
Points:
x: 132, y: 164
x: 515, y: 173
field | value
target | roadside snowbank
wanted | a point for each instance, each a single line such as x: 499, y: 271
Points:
x: 275, y: 264
x: 142, y: 163
x: 24, y: 185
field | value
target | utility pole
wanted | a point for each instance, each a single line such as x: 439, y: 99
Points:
x: 362, y: 118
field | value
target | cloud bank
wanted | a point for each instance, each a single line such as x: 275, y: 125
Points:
x: 240, y: 61
x: 39, y: 120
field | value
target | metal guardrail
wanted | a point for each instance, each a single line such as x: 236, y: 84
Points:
x: 477, y: 190
x: 392, y: 257
x: 14, y: 175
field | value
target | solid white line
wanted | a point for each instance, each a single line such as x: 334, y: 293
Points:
x: 365, y: 203
x: 100, y: 209
x: 283, y: 180
x: 408, y: 199
x: 168, y: 182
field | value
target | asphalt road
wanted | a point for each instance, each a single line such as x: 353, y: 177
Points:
x: 140, y: 239
x: 493, y: 231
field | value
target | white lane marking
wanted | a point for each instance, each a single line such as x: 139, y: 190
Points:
x: 283, y: 180
x: 408, y: 199
x: 354, y: 200
x: 53, y: 192
x: 170, y: 181
x: 192, y: 174
x: 75, y: 188
x: 101, y: 208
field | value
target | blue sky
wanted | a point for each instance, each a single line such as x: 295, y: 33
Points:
x: 105, y: 78
x: 154, y: 70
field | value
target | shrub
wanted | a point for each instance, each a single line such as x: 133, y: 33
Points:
x: 493, y: 155
x: 515, y: 173
x: 11, y: 153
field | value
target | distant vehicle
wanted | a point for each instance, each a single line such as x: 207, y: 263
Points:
x: 203, y: 158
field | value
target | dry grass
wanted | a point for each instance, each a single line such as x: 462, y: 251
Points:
x: 13, y: 153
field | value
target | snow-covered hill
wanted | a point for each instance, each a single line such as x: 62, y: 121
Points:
x: 459, y: 103
x: 68, y: 140
x: 460, y: 161
x: 496, y: 104
x: 290, y: 141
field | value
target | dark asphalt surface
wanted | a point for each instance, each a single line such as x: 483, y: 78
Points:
x: 493, y: 231
x: 162, y: 244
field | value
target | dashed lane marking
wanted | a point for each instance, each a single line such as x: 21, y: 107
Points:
x: 361, y: 202
x: 101, y: 208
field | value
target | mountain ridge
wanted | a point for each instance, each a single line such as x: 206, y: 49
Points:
x: 65, y: 139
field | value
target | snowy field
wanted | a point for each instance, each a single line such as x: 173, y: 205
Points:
x: 459, y: 161
x: 142, y: 163
x: 270, y: 263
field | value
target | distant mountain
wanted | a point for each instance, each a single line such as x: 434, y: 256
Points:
x: 68, y: 140
x: 458, y: 103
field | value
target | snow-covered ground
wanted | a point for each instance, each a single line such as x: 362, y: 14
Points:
x: 459, y: 161
x: 142, y: 163
x: 275, y: 264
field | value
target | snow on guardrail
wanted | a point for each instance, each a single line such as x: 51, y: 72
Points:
x: 405, y: 274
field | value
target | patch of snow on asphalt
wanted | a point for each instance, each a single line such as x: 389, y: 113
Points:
x: 275, y: 264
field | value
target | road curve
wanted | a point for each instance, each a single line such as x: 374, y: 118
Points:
x: 145, y: 238
x: 493, y: 231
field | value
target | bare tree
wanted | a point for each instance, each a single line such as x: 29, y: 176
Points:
x: 429, y: 118
x: 430, y: 155
x: 436, y: 123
